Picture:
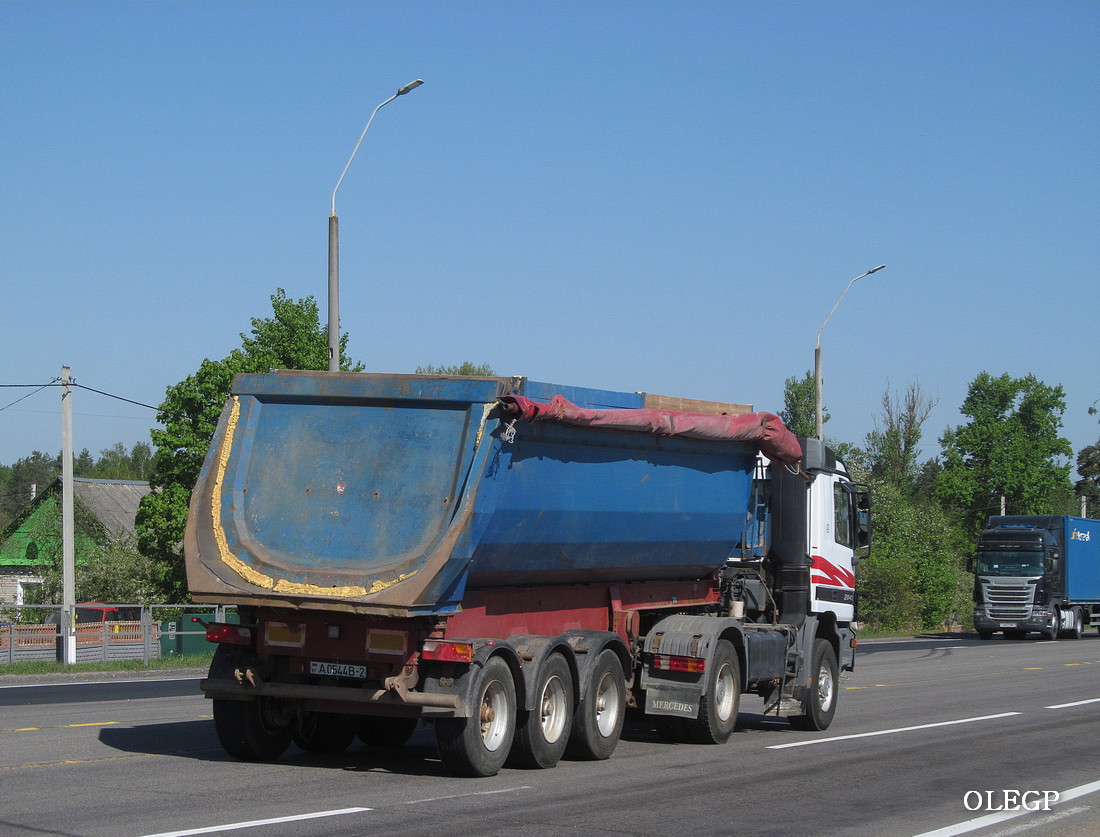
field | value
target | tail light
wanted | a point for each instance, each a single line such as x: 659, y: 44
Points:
x: 228, y: 634
x: 673, y: 662
x: 447, y: 652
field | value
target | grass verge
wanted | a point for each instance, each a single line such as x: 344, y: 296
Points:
x: 156, y: 664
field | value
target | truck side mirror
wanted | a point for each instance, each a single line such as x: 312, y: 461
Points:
x: 970, y: 564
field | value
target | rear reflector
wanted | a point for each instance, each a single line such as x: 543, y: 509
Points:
x: 228, y: 634
x: 447, y: 652
x: 672, y: 662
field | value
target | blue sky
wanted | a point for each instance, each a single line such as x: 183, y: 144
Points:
x: 656, y: 196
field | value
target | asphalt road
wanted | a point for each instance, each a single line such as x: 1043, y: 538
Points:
x: 929, y: 735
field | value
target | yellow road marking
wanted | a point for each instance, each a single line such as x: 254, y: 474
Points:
x: 76, y: 761
x: 92, y: 724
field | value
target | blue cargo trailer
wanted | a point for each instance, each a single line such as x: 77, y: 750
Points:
x: 442, y: 548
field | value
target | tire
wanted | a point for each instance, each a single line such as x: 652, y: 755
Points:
x: 543, y: 733
x: 1054, y: 631
x: 255, y: 730
x: 819, y: 705
x: 382, y: 731
x: 718, y: 709
x: 324, y: 732
x: 598, y: 720
x: 478, y: 746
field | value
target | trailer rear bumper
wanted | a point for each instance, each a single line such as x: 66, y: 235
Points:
x: 231, y: 690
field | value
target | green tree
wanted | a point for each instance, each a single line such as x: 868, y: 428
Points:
x: 914, y: 578
x: 1088, y: 466
x: 799, y: 411
x: 117, y: 463
x: 115, y: 571
x: 37, y: 470
x: 292, y: 339
x: 1010, y: 448
x: 893, y: 444
x: 481, y: 370
x: 1088, y: 487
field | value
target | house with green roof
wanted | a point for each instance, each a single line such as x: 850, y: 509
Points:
x: 103, y: 511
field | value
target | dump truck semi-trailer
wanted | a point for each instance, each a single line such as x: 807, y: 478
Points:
x: 516, y: 563
x: 1037, y: 574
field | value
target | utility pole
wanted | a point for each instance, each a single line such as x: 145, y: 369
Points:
x: 68, y: 559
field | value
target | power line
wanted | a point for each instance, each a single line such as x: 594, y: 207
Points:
x: 40, y: 387
x: 116, y: 397
x: 72, y: 383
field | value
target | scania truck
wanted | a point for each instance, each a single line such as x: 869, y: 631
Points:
x: 516, y: 564
x: 1037, y: 574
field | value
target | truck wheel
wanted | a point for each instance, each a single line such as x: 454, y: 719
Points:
x: 324, y: 732
x: 479, y: 745
x: 542, y: 733
x: 819, y: 706
x: 1055, y: 628
x: 381, y: 731
x: 718, y: 710
x: 254, y: 730
x: 598, y: 720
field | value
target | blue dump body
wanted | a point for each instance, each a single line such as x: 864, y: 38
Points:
x: 395, y: 493
x: 1081, y: 544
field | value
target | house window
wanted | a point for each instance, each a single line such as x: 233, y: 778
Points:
x: 25, y: 587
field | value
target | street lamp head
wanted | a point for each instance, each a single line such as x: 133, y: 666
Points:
x: 874, y: 270
x: 412, y: 85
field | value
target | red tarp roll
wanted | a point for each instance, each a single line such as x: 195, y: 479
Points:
x: 765, y: 430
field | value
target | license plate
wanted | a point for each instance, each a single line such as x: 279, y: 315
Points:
x: 338, y: 670
x: 1008, y: 624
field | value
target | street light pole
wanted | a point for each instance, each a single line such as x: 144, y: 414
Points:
x: 334, y: 243
x: 819, y: 422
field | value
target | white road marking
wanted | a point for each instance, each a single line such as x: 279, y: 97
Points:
x: 891, y: 731
x: 463, y: 795
x: 1075, y: 703
x: 254, y: 823
x: 1002, y: 816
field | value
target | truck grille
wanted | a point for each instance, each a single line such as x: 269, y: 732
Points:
x: 1008, y: 602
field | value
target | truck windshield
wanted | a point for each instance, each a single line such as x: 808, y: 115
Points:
x: 1010, y: 563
